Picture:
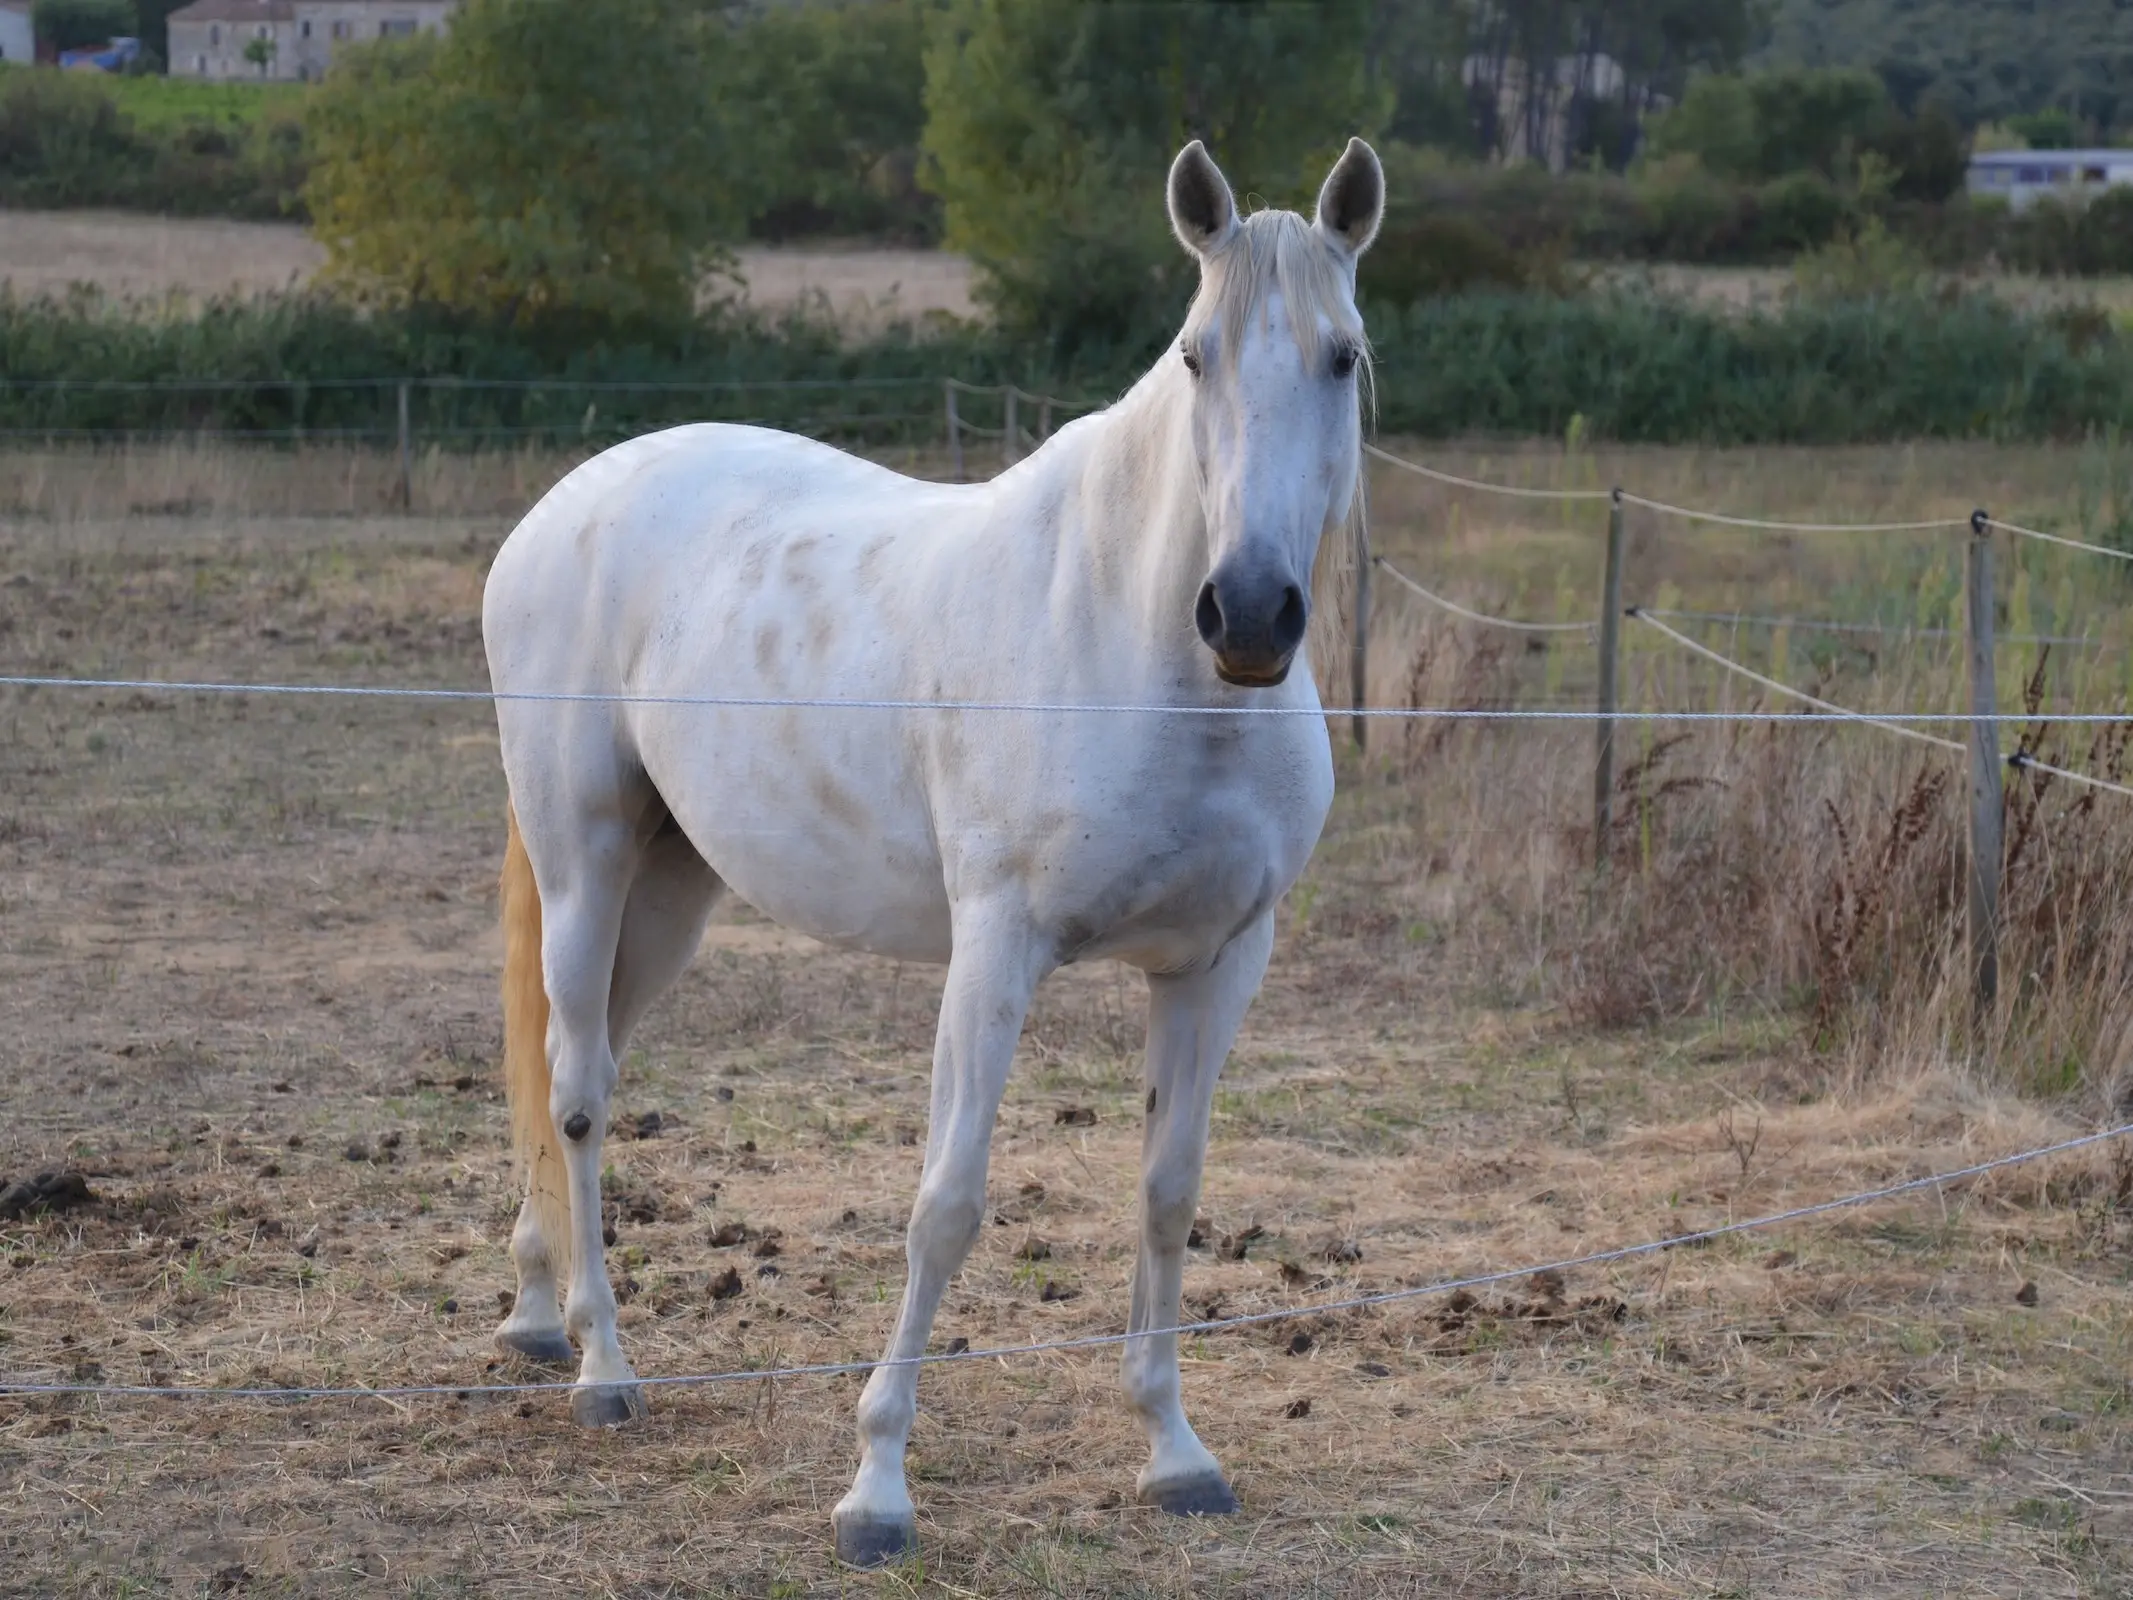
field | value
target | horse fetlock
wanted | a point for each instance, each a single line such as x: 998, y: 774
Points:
x: 886, y: 1414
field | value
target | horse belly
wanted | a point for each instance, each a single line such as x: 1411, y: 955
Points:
x: 828, y: 850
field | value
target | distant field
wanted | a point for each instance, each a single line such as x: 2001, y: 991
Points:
x: 125, y: 253
x: 47, y: 252
x: 863, y: 286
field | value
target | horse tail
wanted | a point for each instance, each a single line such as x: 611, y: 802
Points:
x: 526, y: 1079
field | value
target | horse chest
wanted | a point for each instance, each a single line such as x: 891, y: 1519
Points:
x: 1161, y: 859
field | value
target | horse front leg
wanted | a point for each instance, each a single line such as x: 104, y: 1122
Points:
x: 991, y: 976
x: 1192, y: 1020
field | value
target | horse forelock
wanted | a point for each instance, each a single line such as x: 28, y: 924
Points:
x: 1276, y: 252
x: 1279, y: 252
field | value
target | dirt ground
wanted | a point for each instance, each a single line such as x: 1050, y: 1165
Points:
x: 247, y: 987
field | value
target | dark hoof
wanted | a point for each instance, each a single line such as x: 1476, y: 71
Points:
x: 547, y: 1347
x: 607, y: 1405
x: 1195, y: 1497
x: 875, y: 1544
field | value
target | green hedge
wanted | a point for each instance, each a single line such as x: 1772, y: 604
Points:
x: 69, y: 139
x: 1632, y: 367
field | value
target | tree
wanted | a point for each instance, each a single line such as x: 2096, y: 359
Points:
x: 1984, y: 60
x: 71, y: 24
x: 545, y: 161
x: 828, y: 101
x: 1051, y: 123
x: 260, y: 52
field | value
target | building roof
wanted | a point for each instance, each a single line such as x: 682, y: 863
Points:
x: 236, y: 11
x: 2036, y: 158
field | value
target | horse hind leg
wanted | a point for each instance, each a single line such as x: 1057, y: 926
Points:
x: 670, y: 898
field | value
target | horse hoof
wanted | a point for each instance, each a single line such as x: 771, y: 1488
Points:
x: 606, y: 1405
x: 1210, y: 1496
x: 873, y: 1542
x: 545, y: 1346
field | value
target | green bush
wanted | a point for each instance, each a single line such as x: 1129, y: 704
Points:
x: 1800, y: 211
x: 1634, y: 367
x: 62, y: 139
x: 1427, y: 255
x: 1690, y: 214
x: 66, y: 139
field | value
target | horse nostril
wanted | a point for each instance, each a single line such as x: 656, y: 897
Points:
x: 1207, y: 616
x: 1291, y: 620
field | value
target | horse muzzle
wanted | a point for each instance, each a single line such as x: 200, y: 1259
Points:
x: 1253, y: 628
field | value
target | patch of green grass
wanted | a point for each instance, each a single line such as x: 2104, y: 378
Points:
x: 158, y: 105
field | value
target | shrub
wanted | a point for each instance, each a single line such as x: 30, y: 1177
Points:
x: 1691, y: 215
x: 1422, y: 256
x: 1800, y: 211
x: 61, y: 139
x: 1867, y: 263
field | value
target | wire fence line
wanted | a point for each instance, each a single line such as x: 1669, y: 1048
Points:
x: 1483, y: 617
x: 1787, y: 690
x: 1902, y: 630
x: 1574, y: 714
x: 2022, y: 761
x: 2020, y: 532
x: 1515, y: 491
x: 1775, y: 525
x: 1094, y: 1341
x: 2019, y: 759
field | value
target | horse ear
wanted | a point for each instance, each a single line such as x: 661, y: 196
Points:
x: 1352, y: 203
x: 1202, y: 210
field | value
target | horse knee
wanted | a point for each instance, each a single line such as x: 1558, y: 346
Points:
x: 1168, y: 1199
x: 944, y: 1225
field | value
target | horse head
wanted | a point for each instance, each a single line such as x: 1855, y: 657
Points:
x: 1275, y: 356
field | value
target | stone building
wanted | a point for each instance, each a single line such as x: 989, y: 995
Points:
x: 287, y: 41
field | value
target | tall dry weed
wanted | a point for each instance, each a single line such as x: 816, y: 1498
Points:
x: 1812, y: 872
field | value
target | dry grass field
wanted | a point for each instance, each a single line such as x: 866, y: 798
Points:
x: 48, y: 252
x: 247, y: 975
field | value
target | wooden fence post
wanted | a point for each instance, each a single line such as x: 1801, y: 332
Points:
x: 1044, y: 419
x: 955, y: 431
x: 1359, y: 645
x: 407, y: 454
x: 1987, y: 799
x: 1603, y: 774
x: 1010, y: 428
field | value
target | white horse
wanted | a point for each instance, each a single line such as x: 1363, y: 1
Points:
x: 1155, y: 554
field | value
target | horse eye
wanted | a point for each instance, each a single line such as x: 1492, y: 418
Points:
x: 1344, y: 359
x: 1192, y: 360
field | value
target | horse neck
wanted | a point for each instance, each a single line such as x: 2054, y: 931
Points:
x: 1140, y: 514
